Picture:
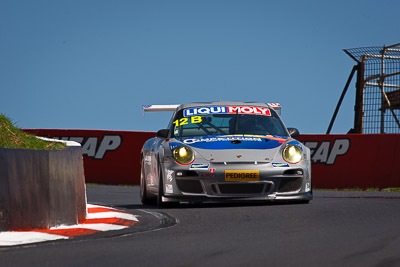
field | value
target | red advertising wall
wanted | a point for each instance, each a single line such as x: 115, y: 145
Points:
x: 354, y: 160
x: 339, y: 161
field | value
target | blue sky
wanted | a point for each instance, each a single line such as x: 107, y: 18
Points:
x: 92, y: 64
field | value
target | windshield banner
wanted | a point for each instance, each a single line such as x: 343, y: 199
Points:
x: 226, y: 110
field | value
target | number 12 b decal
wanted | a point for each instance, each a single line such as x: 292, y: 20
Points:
x: 184, y: 121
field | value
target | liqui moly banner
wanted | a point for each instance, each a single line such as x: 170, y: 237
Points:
x: 226, y: 110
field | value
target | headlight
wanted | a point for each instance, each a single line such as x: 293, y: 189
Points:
x: 292, y: 154
x: 183, y: 155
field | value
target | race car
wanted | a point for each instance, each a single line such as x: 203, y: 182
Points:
x: 224, y: 151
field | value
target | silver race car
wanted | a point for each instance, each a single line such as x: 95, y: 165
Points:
x: 224, y: 151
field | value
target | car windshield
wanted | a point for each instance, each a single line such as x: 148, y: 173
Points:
x: 219, y: 121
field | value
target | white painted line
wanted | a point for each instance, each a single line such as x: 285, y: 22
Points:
x: 68, y: 143
x: 98, y: 206
x: 102, y: 226
x: 111, y: 214
x: 20, y: 238
x: 92, y: 226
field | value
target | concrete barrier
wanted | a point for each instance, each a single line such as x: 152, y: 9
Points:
x: 110, y: 157
x: 40, y: 189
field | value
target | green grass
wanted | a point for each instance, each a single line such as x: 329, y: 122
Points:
x: 12, y: 137
x: 391, y: 189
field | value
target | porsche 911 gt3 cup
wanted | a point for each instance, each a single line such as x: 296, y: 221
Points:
x: 224, y: 151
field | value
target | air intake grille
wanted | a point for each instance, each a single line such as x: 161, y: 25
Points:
x: 290, y: 184
x: 189, y: 186
x: 241, y: 188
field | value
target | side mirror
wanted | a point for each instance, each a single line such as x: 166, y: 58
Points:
x: 293, y: 132
x: 163, y: 133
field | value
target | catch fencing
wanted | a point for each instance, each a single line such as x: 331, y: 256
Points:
x: 377, y: 107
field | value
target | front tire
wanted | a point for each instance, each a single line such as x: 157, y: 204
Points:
x: 143, y: 187
x: 160, y: 187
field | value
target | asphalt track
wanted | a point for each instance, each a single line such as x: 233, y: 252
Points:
x: 336, y: 229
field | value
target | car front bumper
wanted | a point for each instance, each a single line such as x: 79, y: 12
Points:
x: 209, y: 183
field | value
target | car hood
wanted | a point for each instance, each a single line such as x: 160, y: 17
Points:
x: 234, y: 148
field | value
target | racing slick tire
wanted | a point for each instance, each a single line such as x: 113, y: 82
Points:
x: 143, y: 188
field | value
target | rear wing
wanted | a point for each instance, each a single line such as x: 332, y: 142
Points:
x: 147, y: 108
x: 275, y: 106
